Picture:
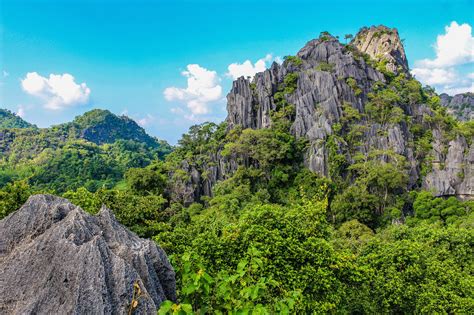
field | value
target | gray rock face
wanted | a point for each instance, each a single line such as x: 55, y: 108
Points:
x: 459, y: 105
x: 322, y: 91
x: 330, y: 77
x: 453, y: 173
x: 383, y: 43
x: 57, y: 259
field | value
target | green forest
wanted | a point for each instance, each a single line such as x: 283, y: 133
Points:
x: 272, y: 236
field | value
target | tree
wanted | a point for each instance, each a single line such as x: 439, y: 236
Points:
x: 348, y: 37
x: 13, y: 196
x: 145, y: 181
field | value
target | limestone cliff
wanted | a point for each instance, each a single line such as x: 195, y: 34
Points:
x: 460, y: 105
x: 383, y: 43
x: 330, y: 78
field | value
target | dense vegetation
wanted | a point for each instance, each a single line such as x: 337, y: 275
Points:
x: 274, y: 237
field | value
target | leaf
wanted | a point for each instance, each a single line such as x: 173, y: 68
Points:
x: 187, y: 308
x: 165, y: 307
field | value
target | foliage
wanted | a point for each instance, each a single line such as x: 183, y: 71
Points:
x: 11, y: 120
x: 272, y: 236
x: 325, y: 66
x: 449, y: 210
x: 142, y: 214
x: 295, y: 60
x: 353, y: 84
x: 13, y: 196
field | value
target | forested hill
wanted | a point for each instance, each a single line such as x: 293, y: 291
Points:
x: 11, y: 120
x: 101, y: 126
x: 336, y: 184
x: 94, y: 150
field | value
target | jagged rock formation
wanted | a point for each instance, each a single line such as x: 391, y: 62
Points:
x: 459, y: 105
x: 453, y: 172
x: 329, y: 77
x: 383, y: 43
x: 318, y: 99
x: 57, y: 259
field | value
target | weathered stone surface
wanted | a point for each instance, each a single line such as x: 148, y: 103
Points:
x: 459, y: 105
x: 381, y: 42
x: 322, y: 93
x: 453, y: 173
x: 57, y: 259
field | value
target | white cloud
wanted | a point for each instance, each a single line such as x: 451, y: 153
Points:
x: 435, y: 76
x: 21, y: 111
x: 145, y: 121
x: 247, y: 69
x: 203, y: 88
x: 455, y: 47
x: 58, y: 91
x: 453, y: 90
x: 5, y: 74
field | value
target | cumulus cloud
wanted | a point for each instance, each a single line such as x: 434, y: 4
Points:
x: 145, y: 121
x: 453, y: 49
x: 247, y: 69
x: 202, y: 88
x: 453, y: 90
x: 58, y: 91
x: 435, y: 76
x: 21, y: 112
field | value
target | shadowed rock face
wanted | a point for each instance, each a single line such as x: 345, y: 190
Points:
x: 57, y: 259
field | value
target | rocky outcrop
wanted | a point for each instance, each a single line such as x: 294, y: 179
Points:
x: 57, y: 259
x: 460, y: 105
x: 324, y: 69
x: 330, y: 78
x: 383, y: 43
x: 453, y: 172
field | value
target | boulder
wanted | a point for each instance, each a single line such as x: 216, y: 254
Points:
x: 57, y: 259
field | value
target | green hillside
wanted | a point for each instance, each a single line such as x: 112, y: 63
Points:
x: 11, y: 120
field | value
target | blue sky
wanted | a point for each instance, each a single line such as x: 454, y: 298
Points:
x: 61, y: 58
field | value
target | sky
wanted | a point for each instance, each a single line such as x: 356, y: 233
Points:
x: 170, y: 64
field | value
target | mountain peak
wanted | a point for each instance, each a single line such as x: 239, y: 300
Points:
x: 102, y: 126
x: 382, y: 43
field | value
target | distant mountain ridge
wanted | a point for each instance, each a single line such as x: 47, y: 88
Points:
x: 459, y: 105
x: 98, y: 126
x: 9, y: 119
x: 101, y: 126
x: 94, y: 150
